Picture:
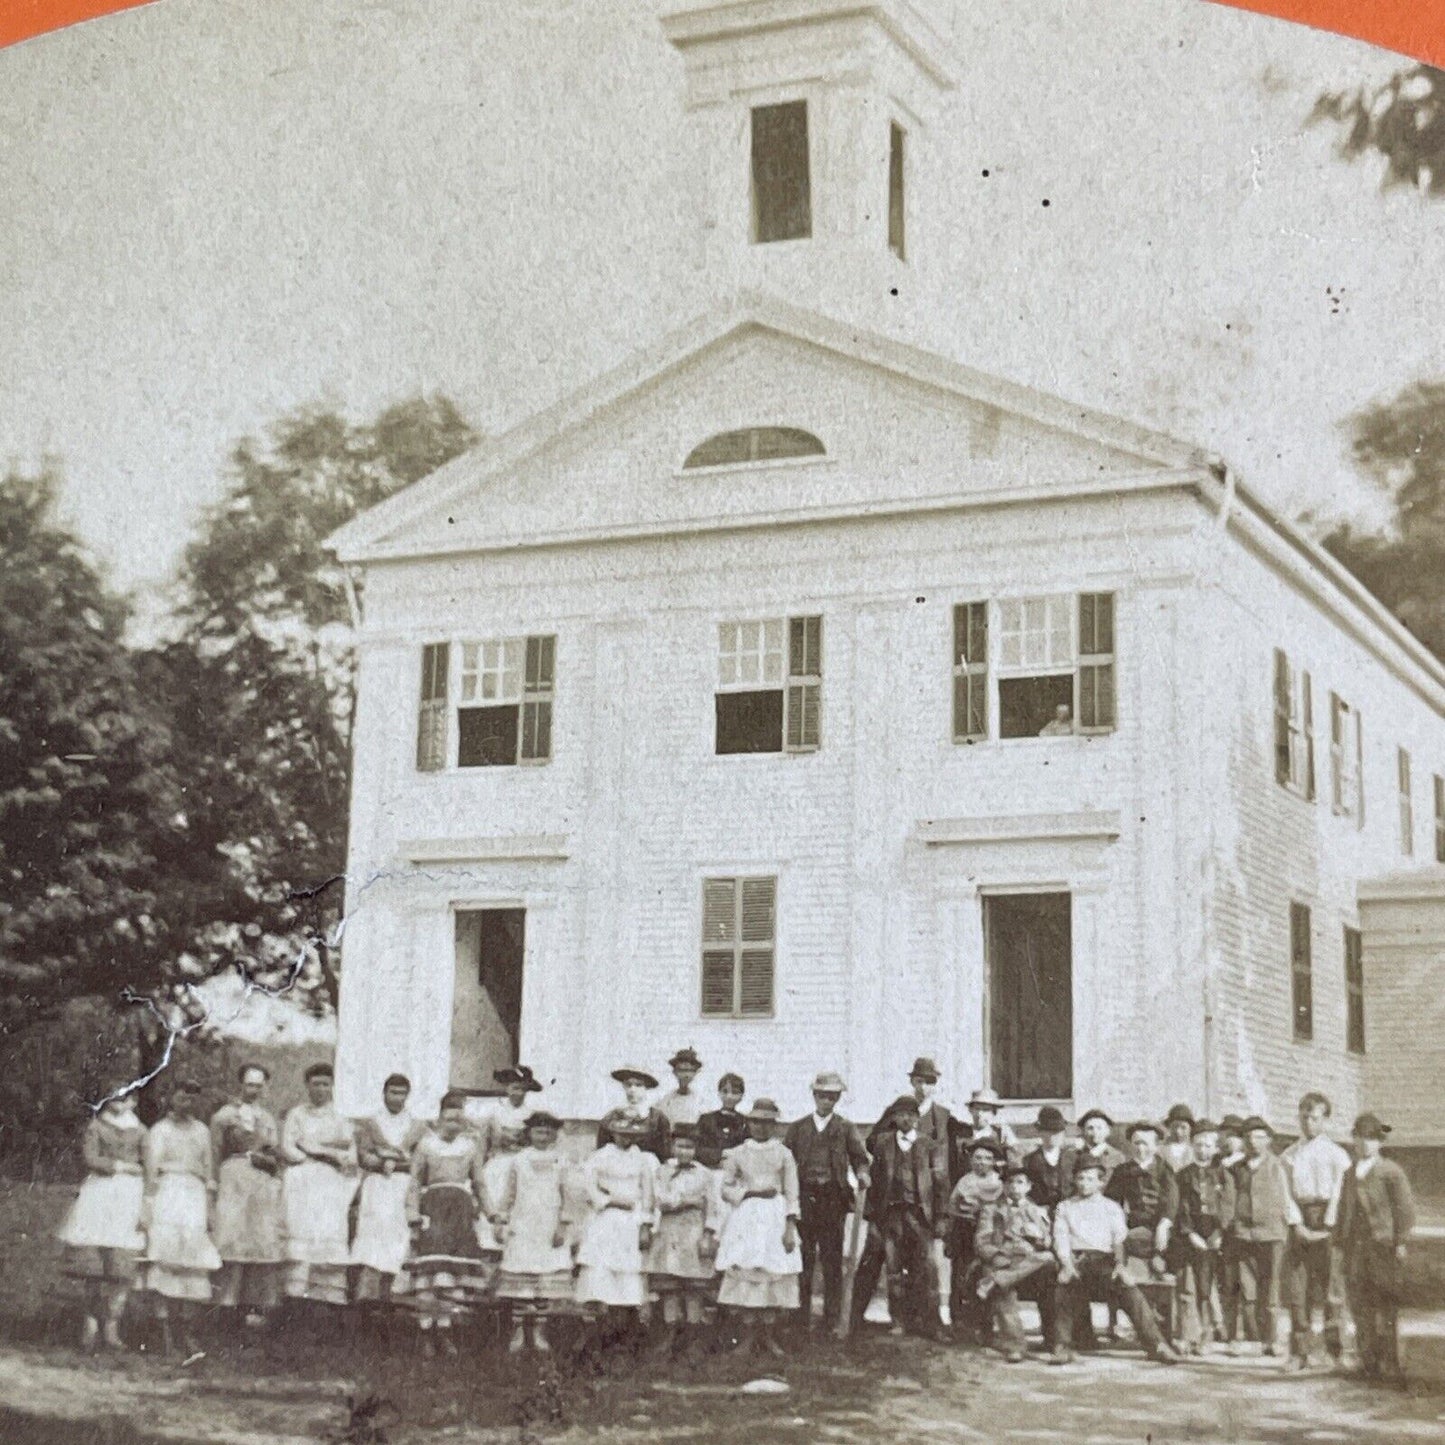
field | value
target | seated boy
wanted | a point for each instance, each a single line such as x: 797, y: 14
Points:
x: 1012, y: 1246
x: 1089, y: 1238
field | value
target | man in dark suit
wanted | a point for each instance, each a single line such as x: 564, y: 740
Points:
x: 1050, y: 1167
x: 937, y: 1127
x: 825, y: 1146
x: 906, y: 1212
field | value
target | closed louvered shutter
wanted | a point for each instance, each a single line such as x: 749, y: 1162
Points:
x: 537, y: 693
x: 737, y: 946
x: 1281, y: 718
x: 431, y: 729
x: 805, y: 684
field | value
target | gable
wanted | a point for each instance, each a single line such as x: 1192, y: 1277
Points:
x: 889, y: 437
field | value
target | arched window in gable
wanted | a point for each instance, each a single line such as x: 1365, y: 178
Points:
x: 753, y: 444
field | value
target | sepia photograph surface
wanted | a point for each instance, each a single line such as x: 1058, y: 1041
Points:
x: 722, y: 721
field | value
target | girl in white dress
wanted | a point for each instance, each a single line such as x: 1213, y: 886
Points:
x: 102, y: 1231
x: 758, y: 1253
x: 618, y: 1233
x: 384, y: 1147
x: 532, y: 1221
x: 503, y: 1133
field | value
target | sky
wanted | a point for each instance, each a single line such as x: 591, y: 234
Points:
x: 217, y: 210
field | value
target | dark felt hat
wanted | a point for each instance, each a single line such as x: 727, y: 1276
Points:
x: 518, y: 1074
x: 1231, y: 1124
x: 903, y: 1104
x: 542, y: 1117
x: 1014, y: 1170
x: 1179, y: 1114
x: 627, y: 1073
x: 924, y: 1068
x: 1090, y: 1161
x: 1094, y: 1114
x: 1203, y: 1126
x: 319, y: 1071
x: 1370, y: 1126
x: 685, y: 1056
x: 1051, y: 1120
x: 983, y: 1141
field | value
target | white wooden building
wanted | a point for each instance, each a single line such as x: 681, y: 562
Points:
x: 800, y: 694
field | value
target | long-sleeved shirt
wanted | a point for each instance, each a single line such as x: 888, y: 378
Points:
x: 1093, y: 1223
x: 1316, y: 1170
x: 1376, y: 1205
x: 1264, y: 1209
x: 1009, y: 1231
x: 679, y: 1108
x: 310, y: 1128
x: 174, y: 1146
x: 760, y: 1164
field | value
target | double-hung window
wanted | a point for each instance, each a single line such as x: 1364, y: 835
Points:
x: 1346, y: 785
x: 1294, y: 740
x: 769, y: 695
x: 502, y: 698
x: 738, y: 937
x: 1056, y: 665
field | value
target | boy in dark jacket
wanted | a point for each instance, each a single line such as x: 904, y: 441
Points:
x: 1377, y: 1213
x: 1264, y: 1212
x: 1206, y: 1210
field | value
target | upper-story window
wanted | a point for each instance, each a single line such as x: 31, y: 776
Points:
x: 770, y: 685
x: 782, y: 190
x: 502, y: 698
x: 1054, y: 663
x: 896, y: 210
x: 1407, y: 803
x: 753, y: 444
x: 1347, y: 794
x: 1294, y: 739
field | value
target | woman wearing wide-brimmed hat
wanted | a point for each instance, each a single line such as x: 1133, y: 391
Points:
x: 620, y: 1180
x: 758, y: 1253
x: 637, y: 1084
x: 504, y: 1134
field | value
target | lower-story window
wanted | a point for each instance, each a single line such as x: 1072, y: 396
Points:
x: 738, y: 927
x: 1028, y: 944
x: 1302, y: 995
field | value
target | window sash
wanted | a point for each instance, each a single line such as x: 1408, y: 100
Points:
x: 738, y: 947
x: 1294, y: 743
x: 750, y: 655
x: 431, y: 730
x: 512, y: 672
x: 1354, y: 991
x: 1036, y: 635
x: 1301, y: 973
x: 1344, y: 758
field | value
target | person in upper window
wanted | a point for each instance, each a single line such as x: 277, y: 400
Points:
x: 682, y: 1105
x: 1376, y: 1215
x: 723, y: 1128
x: 1061, y: 725
x: 1316, y: 1166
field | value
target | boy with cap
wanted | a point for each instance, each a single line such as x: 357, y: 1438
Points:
x: 906, y: 1212
x: 1089, y: 1242
x: 1316, y: 1167
x: 1376, y: 1215
x: 1264, y: 1213
x: 636, y: 1085
x: 1178, y: 1149
x: 681, y: 1105
x: 825, y: 1147
x: 1206, y: 1210
x: 1050, y: 1167
x: 1096, y: 1126
x: 1147, y: 1191
x: 980, y: 1186
x: 1013, y: 1245
x: 724, y: 1128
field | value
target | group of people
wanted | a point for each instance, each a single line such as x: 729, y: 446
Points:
x: 1197, y: 1235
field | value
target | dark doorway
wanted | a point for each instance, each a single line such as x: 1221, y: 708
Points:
x: 487, y: 1002
x: 1028, y: 938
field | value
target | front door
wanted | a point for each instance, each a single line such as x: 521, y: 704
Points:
x: 487, y: 1002
x: 1029, y: 945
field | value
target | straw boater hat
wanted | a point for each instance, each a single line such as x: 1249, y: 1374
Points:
x: 518, y: 1074
x: 764, y: 1109
x: 627, y: 1073
x: 828, y: 1082
x: 985, y: 1099
x: 686, y: 1056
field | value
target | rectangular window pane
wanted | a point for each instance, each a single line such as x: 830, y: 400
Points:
x: 895, y: 190
x: 431, y: 733
x: 782, y: 200
x: 1301, y: 979
x: 536, y: 731
x: 487, y: 736
x: 749, y: 722
x: 1029, y: 705
x: 970, y: 672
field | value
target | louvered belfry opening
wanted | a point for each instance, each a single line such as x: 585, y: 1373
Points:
x: 738, y: 926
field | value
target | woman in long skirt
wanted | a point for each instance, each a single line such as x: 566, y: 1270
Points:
x: 532, y: 1221
x: 102, y: 1232
x: 503, y: 1135
x: 319, y: 1148
x: 384, y: 1146
x: 180, y: 1186
x: 446, y: 1268
x: 248, y: 1234
x: 758, y: 1253
x: 618, y: 1233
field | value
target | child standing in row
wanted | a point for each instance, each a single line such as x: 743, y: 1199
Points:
x: 102, y: 1232
x: 684, y: 1245
x: 531, y: 1222
x: 1206, y: 1210
x: 446, y: 1191
x: 618, y: 1233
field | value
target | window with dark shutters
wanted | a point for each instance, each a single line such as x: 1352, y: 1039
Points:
x: 1294, y: 740
x: 769, y: 695
x: 803, y: 710
x: 782, y: 192
x: 1301, y: 978
x: 738, y: 927
x: 431, y: 727
x: 1345, y: 755
x: 1354, y: 991
x: 504, y: 709
x: 970, y: 672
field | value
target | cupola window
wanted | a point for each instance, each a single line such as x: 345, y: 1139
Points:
x: 753, y: 444
x: 782, y: 193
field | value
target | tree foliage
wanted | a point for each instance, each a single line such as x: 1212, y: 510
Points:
x: 1401, y: 445
x: 1402, y: 120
